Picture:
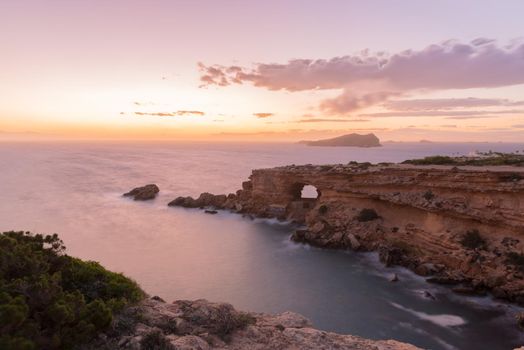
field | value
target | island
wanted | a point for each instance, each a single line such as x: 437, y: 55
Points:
x: 348, y: 140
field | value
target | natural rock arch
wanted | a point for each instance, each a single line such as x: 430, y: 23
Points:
x: 303, y: 191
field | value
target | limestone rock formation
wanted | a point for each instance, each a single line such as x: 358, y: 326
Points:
x: 349, y: 140
x: 190, y: 325
x: 462, y: 226
x: 144, y: 193
x: 204, y: 200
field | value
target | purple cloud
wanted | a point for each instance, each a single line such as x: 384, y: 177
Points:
x: 448, y: 103
x: 171, y: 114
x: 368, y: 79
x: 442, y: 113
x: 322, y: 120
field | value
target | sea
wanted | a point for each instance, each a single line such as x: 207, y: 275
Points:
x: 75, y: 189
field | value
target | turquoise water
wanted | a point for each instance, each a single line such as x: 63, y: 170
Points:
x: 75, y: 190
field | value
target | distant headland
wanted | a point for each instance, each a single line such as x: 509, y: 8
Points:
x: 349, y: 140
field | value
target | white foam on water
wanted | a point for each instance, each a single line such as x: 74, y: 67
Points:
x: 443, y: 320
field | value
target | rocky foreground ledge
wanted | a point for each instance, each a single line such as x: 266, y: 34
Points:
x: 462, y: 226
x: 203, y: 325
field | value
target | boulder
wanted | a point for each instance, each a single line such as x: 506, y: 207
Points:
x: 204, y: 200
x: 143, y: 193
x: 186, y: 202
x: 428, y: 295
x: 299, y: 236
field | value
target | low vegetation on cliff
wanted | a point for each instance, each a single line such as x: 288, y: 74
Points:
x: 49, y: 300
x: 516, y: 259
x: 367, y: 215
x: 481, y: 159
x: 473, y: 240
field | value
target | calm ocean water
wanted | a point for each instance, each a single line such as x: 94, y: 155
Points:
x: 75, y: 190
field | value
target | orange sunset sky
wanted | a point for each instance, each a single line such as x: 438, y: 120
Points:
x: 262, y: 70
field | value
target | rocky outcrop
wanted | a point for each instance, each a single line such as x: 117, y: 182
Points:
x: 461, y: 226
x: 144, y: 193
x: 204, y: 200
x: 202, y: 325
x: 349, y: 140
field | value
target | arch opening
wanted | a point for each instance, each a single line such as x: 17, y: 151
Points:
x: 303, y: 198
x: 309, y: 192
x: 302, y: 191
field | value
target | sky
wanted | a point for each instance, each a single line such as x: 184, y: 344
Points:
x: 268, y: 70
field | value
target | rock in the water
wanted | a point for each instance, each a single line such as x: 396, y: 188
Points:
x: 186, y: 202
x: 394, y: 278
x: 144, y: 193
x: 428, y: 295
x: 204, y: 200
x: 212, y: 212
x: 299, y: 236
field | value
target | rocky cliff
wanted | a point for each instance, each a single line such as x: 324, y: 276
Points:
x: 460, y: 226
x: 202, y: 325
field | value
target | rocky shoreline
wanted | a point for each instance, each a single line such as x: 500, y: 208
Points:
x: 203, y: 325
x: 457, y: 226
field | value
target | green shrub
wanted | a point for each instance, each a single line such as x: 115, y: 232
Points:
x: 432, y: 160
x: 49, y: 300
x: 244, y: 319
x: 405, y: 247
x: 428, y: 195
x: 155, y: 341
x: 516, y: 259
x: 473, y: 240
x: 489, y: 158
x: 367, y: 215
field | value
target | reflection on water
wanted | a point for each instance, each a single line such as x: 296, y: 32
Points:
x: 75, y: 190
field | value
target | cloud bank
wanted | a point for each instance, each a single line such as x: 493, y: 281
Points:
x: 171, y: 114
x: 367, y: 79
x: 440, y: 113
x: 448, y: 103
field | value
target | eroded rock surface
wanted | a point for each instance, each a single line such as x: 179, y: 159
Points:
x: 462, y: 226
x: 202, y: 325
x: 204, y: 200
x: 143, y: 193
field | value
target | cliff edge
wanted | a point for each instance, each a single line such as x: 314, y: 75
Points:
x: 462, y: 226
x: 203, y: 325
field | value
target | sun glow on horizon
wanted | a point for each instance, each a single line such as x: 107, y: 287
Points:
x: 174, y: 78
